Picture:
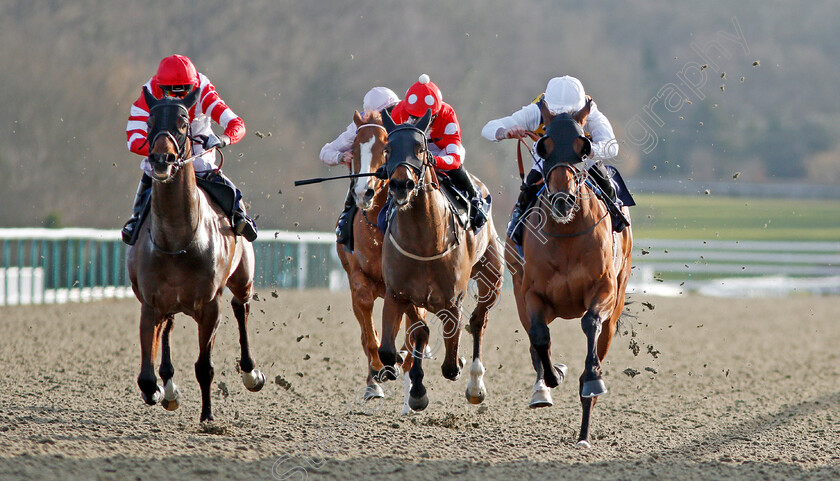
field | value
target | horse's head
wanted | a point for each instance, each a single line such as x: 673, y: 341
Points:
x: 368, y: 155
x: 407, y: 157
x: 564, y: 145
x: 168, y: 135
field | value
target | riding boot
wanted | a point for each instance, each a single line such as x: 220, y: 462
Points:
x: 602, y: 178
x: 479, y: 206
x: 139, y: 202
x: 342, y: 229
x: 526, y: 196
x: 243, y: 225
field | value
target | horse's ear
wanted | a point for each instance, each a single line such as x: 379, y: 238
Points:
x: 150, y: 99
x: 387, y: 121
x: 191, y: 98
x: 546, y: 114
x: 542, y: 147
x: 586, y: 148
x: 357, y: 118
x: 580, y: 115
x: 424, y: 121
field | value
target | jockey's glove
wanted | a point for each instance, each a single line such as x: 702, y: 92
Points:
x: 212, y: 140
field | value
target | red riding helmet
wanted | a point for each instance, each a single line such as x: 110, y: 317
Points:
x: 421, y: 96
x: 176, y: 75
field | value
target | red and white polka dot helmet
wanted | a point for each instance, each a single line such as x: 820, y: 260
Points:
x: 421, y: 96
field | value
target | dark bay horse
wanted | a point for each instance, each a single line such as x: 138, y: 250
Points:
x: 428, y: 260
x: 573, y: 266
x: 364, y: 264
x: 185, y: 256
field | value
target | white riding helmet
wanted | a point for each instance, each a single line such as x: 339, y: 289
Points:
x: 379, y: 98
x: 564, y: 94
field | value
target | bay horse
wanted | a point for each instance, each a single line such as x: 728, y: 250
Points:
x: 364, y: 264
x: 574, y: 266
x: 185, y: 255
x: 428, y: 260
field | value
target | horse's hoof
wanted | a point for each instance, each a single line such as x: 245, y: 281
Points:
x: 387, y: 373
x: 583, y: 444
x: 373, y: 391
x: 476, y: 398
x: 254, y: 380
x: 207, y: 417
x: 418, y: 403
x: 476, y: 391
x: 593, y: 388
x: 155, y: 398
x: 172, y: 397
x: 541, y: 397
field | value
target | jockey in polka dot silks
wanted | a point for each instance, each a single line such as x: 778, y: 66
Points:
x: 444, y: 136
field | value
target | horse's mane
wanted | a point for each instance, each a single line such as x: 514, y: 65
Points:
x: 372, y: 117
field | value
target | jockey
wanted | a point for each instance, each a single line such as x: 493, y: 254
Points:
x: 176, y: 76
x: 444, y: 136
x: 339, y: 151
x: 562, y: 95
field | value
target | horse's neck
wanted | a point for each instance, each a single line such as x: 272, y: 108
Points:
x: 175, y: 209
x: 378, y: 200
x: 426, y: 220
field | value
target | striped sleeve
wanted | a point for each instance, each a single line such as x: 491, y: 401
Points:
x: 213, y: 106
x: 136, y: 128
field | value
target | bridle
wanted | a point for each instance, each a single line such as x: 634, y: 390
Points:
x: 178, y: 139
x: 420, y: 172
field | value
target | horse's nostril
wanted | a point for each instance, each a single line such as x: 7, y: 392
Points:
x: 369, y: 193
x: 409, y: 184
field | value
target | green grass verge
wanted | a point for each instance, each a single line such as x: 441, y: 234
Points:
x: 712, y: 217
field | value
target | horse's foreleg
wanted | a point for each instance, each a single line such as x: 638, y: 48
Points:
x: 591, y: 384
x: 451, y: 321
x: 362, y: 297
x: 208, y: 322
x: 172, y: 395
x: 414, y: 316
x: 150, y: 331
x: 540, y: 338
x: 416, y: 398
x: 253, y: 379
x: 392, y: 313
x: 489, y: 280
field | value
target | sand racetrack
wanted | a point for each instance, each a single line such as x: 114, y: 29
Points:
x: 726, y: 389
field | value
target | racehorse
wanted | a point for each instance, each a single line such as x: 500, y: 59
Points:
x: 364, y: 264
x: 185, y: 256
x: 573, y: 265
x: 428, y: 260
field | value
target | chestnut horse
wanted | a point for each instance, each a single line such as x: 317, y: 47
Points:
x: 573, y: 266
x: 364, y: 264
x: 185, y: 256
x: 428, y: 260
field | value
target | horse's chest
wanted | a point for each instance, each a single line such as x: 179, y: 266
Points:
x: 431, y: 291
